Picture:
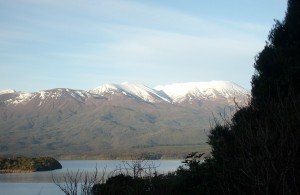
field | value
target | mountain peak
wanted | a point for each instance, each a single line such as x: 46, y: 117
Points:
x: 178, y: 92
x: 6, y: 91
x: 106, y: 88
x: 136, y: 90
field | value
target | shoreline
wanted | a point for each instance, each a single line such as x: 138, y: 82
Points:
x: 7, y: 171
x: 120, y: 159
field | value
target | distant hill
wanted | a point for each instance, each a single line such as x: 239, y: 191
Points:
x: 112, y: 117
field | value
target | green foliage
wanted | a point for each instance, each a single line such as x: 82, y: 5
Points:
x: 28, y: 164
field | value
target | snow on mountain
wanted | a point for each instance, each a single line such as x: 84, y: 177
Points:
x: 179, y: 92
x: 62, y: 92
x: 106, y: 88
x: 143, y: 92
x: 6, y: 91
x: 172, y: 93
x: 21, y: 97
x: 137, y: 90
x: 46, y: 95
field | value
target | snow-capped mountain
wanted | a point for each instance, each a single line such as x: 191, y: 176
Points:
x: 180, y: 92
x: 111, y: 117
x: 172, y: 93
x: 139, y: 91
x: 12, y: 97
x: 7, y: 91
x: 62, y: 93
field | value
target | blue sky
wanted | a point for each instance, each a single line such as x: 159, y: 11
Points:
x: 82, y: 44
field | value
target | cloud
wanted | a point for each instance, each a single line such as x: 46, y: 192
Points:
x: 139, y: 46
x: 124, y: 39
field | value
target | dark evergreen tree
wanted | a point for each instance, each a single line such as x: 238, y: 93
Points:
x: 259, y: 151
x: 278, y: 65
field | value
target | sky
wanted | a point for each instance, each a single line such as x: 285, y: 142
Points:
x: 82, y: 44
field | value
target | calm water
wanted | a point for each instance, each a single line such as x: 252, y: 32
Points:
x: 41, y: 182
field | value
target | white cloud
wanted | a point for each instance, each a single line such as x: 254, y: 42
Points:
x: 129, y: 39
x: 138, y: 47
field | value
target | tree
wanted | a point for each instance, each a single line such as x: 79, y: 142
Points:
x: 259, y: 151
x: 278, y: 65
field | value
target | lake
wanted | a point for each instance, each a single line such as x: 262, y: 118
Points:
x: 40, y: 183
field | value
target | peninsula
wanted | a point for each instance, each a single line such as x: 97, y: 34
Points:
x: 27, y: 164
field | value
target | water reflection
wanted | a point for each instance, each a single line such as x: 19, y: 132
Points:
x: 164, y: 166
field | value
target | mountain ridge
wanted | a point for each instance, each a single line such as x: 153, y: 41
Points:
x: 110, y: 118
x: 171, y: 93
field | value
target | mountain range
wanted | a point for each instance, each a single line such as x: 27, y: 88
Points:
x: 112, y: 117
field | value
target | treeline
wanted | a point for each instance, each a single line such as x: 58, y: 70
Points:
x: 27, y: 164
